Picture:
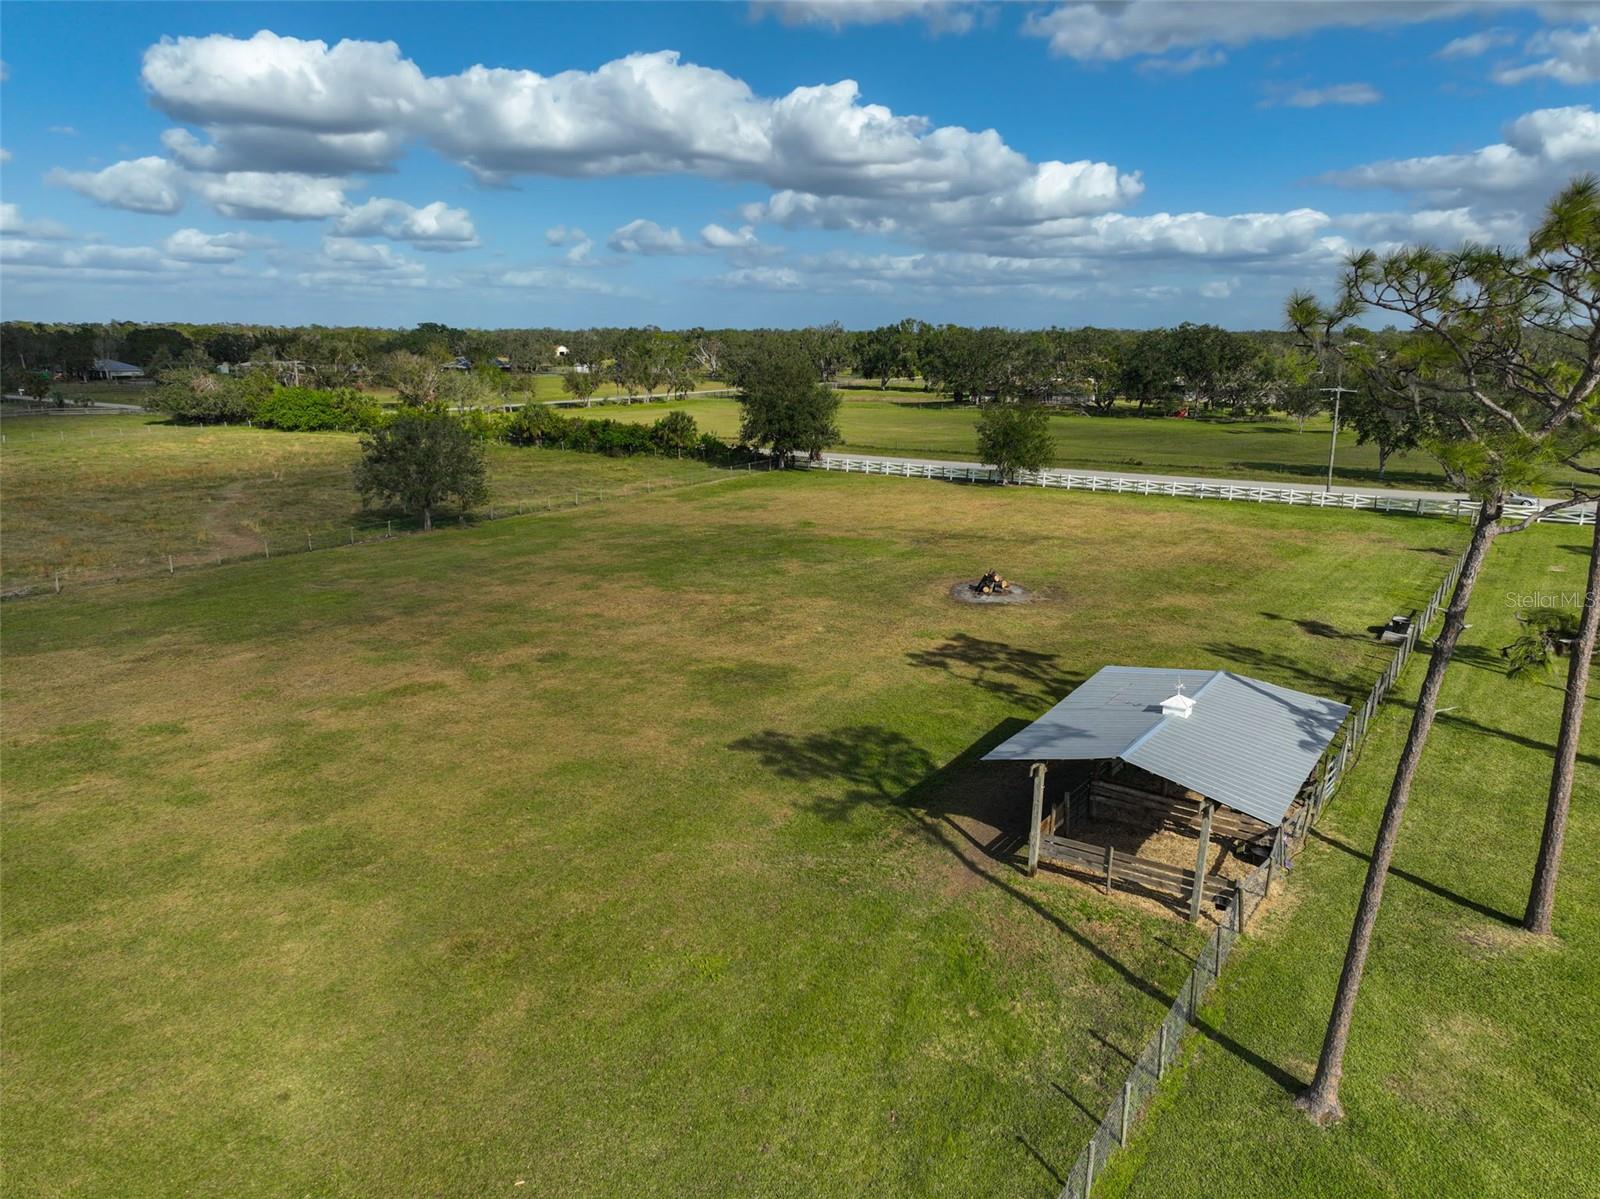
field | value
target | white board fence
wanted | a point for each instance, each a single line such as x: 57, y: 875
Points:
x: 1067, y: 480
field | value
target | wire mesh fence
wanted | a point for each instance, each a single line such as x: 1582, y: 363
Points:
x: 282, y: 541
x: 1150, y: 1066
x: 1251, y: 892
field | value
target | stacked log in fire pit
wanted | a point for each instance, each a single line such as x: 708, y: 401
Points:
x: 991, y: 584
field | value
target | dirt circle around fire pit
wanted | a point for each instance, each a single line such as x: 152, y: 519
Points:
x: 965, y: 592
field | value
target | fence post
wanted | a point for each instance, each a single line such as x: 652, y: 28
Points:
x: 169, y: 564
x: 1161, y: 1050
x: 1127, y: 1100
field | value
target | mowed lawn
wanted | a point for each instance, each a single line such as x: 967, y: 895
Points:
x: 1257, y: 449
x: 86, y: 495
x: 1472, y: 1063
x: 636, y: 848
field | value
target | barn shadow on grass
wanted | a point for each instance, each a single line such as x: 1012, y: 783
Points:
x: 976, y: 812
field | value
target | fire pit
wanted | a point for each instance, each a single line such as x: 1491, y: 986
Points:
x: 991, y: 584
x: 992, y: 588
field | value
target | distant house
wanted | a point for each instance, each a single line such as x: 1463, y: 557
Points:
x: 503, y: 362
x: 562, y: 351
x: 462, y: 363
x: 110, y: 368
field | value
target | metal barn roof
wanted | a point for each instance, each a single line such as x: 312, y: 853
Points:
x: 1247, y: 745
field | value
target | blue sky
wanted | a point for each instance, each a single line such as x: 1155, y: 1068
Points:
x: 745, y: 164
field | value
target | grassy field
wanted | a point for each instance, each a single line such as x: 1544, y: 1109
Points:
x: 1471, y: 1069
x: 630, y: 849
x: 88, y: 494
x: 1241, y: 449
x: 921, y: 424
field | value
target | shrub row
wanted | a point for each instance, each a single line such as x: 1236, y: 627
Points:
x: 674, y: 434
x: 311, y: 409
x: 204, y: 398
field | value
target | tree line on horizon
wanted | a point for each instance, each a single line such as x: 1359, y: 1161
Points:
x: 1198, y: 364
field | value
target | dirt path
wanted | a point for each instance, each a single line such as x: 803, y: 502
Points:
x: 223, y: 529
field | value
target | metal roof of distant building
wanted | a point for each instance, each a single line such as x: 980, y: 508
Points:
x: 1248, y: 745
x: 111, y: 364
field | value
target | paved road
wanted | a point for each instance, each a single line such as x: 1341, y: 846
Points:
x: 36, y: 409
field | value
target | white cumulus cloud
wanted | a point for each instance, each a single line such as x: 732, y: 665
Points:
x: 717, y: 238
x: 940, y: 16
x: 1473, y: 45
x: 12, y: 224
x: 191, y: 245
x: 1570, y: 56
x: 94, y: 258
x: 269, y: 196
x: 1093, y: 32
x: 1540, y: 151
x: 648, y: 113
x: 149, y: 184
x: 434, y: 226
x: 1338, y: 93
x: 647, y: 237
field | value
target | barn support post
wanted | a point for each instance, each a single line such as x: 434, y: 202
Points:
x: 1038, y: 817
x: 1201, y: 853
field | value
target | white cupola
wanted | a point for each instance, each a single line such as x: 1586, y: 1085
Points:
x: 1179, y: 704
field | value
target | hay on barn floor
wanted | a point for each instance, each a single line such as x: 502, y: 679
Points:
x: 1167, y: 846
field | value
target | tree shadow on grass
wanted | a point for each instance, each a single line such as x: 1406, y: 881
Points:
x: 1453, y: 718
x: 1280, y: 668
x: 1025, y: 675
x: 883, y: 768
x: 1480, y: 657
x: 1321, y: 628
x: 1039, y: 1157
x: 1345, y: 475
x: 1432, y: 888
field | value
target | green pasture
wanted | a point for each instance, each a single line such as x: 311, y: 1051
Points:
x: 1471, y: 1066
x: 641, y: 848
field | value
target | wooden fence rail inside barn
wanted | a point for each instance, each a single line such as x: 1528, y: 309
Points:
x: 1112, y: 868
x: 1249, y: 893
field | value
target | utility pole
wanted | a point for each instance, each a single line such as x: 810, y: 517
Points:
x: 1337, y: 392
